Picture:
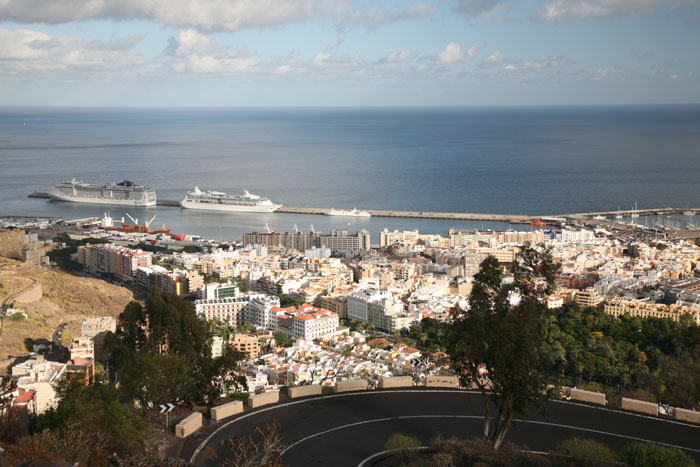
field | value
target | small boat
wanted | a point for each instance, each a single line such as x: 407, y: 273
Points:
x: 347, y: 212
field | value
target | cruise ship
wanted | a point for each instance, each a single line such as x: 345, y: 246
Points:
x: 348, y: 213
x: 126, y: 193
x: 219, y: 201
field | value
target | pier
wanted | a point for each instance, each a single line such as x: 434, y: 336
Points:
x: 460, y: 216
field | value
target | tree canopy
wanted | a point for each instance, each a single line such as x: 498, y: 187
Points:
x: 162, y: 352
x: 498, y: 343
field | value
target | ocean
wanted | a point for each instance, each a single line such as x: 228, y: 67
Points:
x: 521, y: 160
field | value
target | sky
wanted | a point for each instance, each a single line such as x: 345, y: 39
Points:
x: 202, y: 53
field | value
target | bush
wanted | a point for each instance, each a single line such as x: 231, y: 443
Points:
x: 587, y: 450
x: 655, y: 455
x: 404, y: 447
x: 327, y: 390
x: 16, y: 317
x: 73, y: 442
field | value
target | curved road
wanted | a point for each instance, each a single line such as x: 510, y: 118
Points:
x: 344, y: 429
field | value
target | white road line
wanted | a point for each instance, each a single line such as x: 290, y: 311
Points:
x: 381, y: 453
x: 557, y: 425
x: 404, y: 391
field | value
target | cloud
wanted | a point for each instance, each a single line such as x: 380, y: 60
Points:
x: 492, y: 60
x: 209, y: 15
x: 27, y: 50
x: 198, y: 53
x: 398, y: 56
x: 546, y: 62
x: 560, y: 11
x: 477, y: 7
x: 453, y: 53
x: 376, y: 16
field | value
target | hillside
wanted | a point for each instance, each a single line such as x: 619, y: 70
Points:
x: 65, y: 299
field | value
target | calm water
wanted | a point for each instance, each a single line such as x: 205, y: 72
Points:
x: 493, y: 160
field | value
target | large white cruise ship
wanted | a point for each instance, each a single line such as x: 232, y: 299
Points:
x: 126, y: 193
x: 219, y: 201
x: 348, y: 213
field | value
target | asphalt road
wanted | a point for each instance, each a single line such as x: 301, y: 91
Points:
x: 345, y: 429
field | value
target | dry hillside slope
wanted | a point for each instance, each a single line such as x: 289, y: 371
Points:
x: 66, y: 299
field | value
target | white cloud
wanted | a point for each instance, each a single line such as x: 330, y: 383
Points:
x: 492, y: 60
x: 376, y: 16
x: 28, y: 50
x: 398, y: 56
x: 453, y: 53
x: 559, y: 11
x: 198, y: 53
x: 204, y: 14
x: 209, y: 15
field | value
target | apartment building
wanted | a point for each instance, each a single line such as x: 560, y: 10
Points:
x: 619, y: 307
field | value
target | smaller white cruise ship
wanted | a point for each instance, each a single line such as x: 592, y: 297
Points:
x: 219, y: 201
x: 348, y: 213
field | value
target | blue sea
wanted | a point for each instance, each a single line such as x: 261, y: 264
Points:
x: 524, y: 160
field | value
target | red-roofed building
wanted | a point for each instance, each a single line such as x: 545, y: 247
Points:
x: 306, y: 321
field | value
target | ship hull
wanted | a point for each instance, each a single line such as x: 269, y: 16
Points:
x: 228, y: 207
x: 58, y: 196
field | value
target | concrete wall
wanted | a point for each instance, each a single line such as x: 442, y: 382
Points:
x: 189, y: 425
x: 688, y: 415
x: 395, y: 382
x: 650, y: 408
x: 354, y: 385
x: 587, y: 396
x: 442, y: 381
x: 226, y: 410
x: 265, y: 398
x: 31, y: 295
x: 304, y: 391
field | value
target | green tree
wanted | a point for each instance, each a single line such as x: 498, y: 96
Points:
x: 499, y: 342
x: 282, y: 340
x: 95, y: 406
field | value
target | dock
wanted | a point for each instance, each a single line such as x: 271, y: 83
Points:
x: 459, y: 216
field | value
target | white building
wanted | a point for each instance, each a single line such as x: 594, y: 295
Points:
x: 259, y: 311
x: 229, y: 309
x: 306, y: 322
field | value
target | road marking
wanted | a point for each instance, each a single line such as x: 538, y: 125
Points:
x: 206, y: 441
x: 381, y: 453
x: 557, y: 425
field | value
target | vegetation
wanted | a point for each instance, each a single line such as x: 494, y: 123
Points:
x: 404, y: 447
x: 588, y: 450
x: 287, y: 301
x: 497, y: 345
x: 95, y: 406
x: 655, y: 455
x: 652, y: 358
x: 264, y: 449
x: 282, y: 340
x: 162, y: 352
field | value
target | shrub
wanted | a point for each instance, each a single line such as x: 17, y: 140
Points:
x: 405, y: 447
x: 327, y: 390
x: 587, y: 450
x: 655, y: 455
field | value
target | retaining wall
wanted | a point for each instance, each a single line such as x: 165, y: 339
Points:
x: 441, y: 381
x: 640, y: 406
x: 395, y: 382
x: 189, y: 425
x: 265, y: 398
x: 226, y: 410
x: 354, y: 385
x: 304, y: 391
x: 688, y: 415
x: 587, y: 396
